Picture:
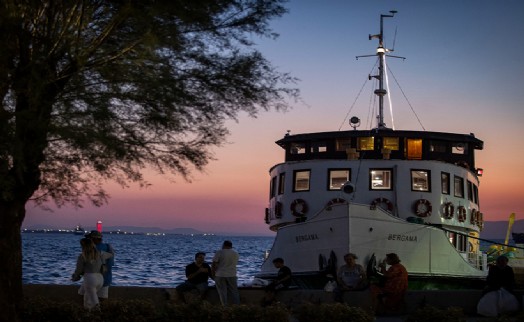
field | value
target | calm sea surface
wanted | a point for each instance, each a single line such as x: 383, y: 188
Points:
x: 140, y: 260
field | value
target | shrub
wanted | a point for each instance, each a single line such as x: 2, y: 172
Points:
x: 42, y: 310
x: 433, y: 314
x: 331, y: 313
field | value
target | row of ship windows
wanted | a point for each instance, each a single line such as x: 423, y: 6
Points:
x: 380, y: 179
x: 413, y: 146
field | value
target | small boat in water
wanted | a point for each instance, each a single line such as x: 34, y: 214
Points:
x: 378, y: 191
x: 79, y: 230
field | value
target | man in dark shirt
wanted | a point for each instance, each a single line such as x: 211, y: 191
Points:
x: 500, y: 275
x: 282, y: 281
x: 198, y: 274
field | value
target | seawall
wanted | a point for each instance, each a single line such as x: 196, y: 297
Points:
x: 466, y: 299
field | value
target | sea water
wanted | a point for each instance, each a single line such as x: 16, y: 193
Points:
x: 140, y: 260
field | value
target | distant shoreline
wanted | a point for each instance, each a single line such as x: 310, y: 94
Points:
x: 111, y: 232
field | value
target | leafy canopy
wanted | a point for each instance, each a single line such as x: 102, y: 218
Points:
x: 97, y: 90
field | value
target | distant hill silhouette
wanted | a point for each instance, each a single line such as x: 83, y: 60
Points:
x: 182, y: 231
x: 498, y: 229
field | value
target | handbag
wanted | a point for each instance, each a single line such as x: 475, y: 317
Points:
x: 330, y: 286
x: 103, y: 268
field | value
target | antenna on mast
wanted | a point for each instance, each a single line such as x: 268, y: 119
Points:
x: 381, y: 53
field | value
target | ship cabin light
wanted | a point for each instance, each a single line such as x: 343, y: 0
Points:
x: 480, y: 171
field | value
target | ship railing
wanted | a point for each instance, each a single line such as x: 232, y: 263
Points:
x: 478, y: 260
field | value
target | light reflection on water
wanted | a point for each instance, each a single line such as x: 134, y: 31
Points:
x: 140, y: 260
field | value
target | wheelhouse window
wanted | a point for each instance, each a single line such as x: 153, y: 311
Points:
x: 459, y: 187
x: 470, y: 190
x: 272, y: 188
x: 298, y: 148
x: 343, y: 144
x: 475, y: 194
x: 318, y: 147
x: 337, y: 177
x: 390, y: 144
x: 438, y: 146
x: 414, y: 149
x: 459, y: 148
x: 366, y: 143
x: 420, y: 180
x: 380, y: 179
x: 444, y: 182
x: 301, y: 180
x: 281, y: 182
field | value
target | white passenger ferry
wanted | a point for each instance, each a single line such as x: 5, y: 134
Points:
x: 378, y: 191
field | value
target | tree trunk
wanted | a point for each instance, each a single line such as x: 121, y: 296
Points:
x: 11, y: 297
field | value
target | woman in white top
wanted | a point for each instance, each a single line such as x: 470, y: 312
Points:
x: 89, y: 265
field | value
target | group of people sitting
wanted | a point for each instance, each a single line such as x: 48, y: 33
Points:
x: 387, y: 296
x: 199, y: 272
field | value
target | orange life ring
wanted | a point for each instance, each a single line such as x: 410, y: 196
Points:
x: 298, y: 207
x: 461, y: 213
x: 278, y: 209
x: 335, y: 201
x: 423, y: 208
x: 266, y: 216
x: 474, y: 217
x: 378, y: 201
x: 448, y: 210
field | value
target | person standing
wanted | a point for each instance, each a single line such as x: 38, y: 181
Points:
x: 390, y: 297
x: 88, y: 266
x: 96, y: 237
x: 197, y: 274
x: 224, y: 270
x: 350, y: 277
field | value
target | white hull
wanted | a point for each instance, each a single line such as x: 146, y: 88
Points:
x: 425, y: 250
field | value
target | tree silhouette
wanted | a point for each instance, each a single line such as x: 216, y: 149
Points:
x: 93, y: 90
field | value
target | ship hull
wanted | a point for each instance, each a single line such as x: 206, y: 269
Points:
x: 314, y: 249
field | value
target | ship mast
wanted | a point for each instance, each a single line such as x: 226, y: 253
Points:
x: 381, y: 53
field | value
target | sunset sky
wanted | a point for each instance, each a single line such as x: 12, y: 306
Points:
x: 463, y: 74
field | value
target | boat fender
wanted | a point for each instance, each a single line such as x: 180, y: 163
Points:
x: 298, y: 207
x: 461, y: 212
x: 266, y: 216
x: 474, y: 217
x: 449, y: 210
x: 335, y: 201
x: 278, y: 209
x: 378, y: 201
x: 423, y: 208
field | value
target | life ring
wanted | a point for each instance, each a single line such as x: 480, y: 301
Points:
x: 423, y: 208
x: 461, y: 213
x: 335, y: 201
x: 448, y: 210
x: 278, y: 209
x: 480, y: 220
x: 378, y: 201
x: 298, y: 207
x: 266, y: 216
x: 474, y: 217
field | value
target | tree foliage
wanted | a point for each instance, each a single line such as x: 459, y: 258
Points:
x: 96, y: 90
